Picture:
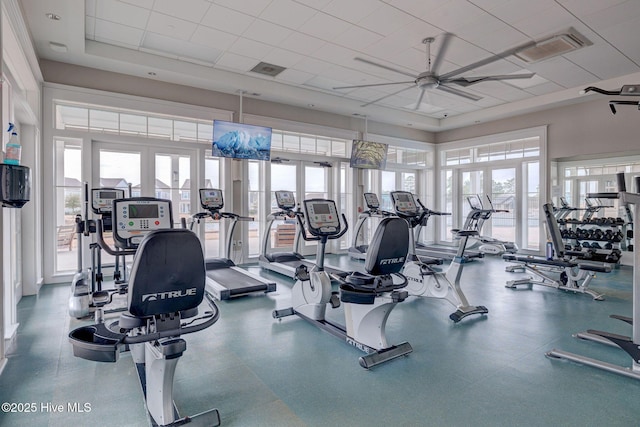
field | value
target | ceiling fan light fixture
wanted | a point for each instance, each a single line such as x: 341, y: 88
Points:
x: 555, y: 45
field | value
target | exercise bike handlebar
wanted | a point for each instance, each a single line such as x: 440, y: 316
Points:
x: 212, y: 317
x: 304, y: 235
x: 105, y: 246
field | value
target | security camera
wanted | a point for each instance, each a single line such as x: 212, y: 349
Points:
x: 445, y: 115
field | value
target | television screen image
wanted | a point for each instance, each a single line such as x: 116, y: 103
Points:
x: 240, y: 141
x: 368, y: 155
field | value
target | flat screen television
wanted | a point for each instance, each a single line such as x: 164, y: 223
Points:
x: 368, y: 155
x: 240, y: 141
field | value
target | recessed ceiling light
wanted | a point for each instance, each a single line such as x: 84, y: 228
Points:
x: 58, y: 47
x: 53, y: 16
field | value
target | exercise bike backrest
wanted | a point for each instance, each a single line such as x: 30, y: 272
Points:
x: 388, y: 248
x: 168, y: 274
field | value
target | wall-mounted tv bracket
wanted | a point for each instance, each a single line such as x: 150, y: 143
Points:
x: 626, y: 90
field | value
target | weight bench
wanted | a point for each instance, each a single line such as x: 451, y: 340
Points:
x: 564, y: 271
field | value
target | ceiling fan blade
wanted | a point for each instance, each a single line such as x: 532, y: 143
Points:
x: 488, y: 60
x: 375, y: 64
x: 467, y: 81
x: 437, y: 61
x: 387, y: 96
x: 419, y: 101
x: 371, y: 85
x: 459, y: 92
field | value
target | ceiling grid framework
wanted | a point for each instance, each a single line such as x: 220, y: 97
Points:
x: 215, y: 45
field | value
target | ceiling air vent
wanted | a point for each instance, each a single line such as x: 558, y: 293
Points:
x: 268, y: 69
x: 557, y: 44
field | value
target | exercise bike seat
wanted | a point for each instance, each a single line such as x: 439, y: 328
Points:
x: 386, y: 255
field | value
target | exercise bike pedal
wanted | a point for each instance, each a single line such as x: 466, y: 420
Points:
x: 335, y: 300
x: 278, y: 314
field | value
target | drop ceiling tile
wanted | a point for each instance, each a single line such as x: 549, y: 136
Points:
x: 213, y: 38
x: 90, y: 8
x: 89, y: 27
x: 418, y: 9
x: 180, y: 48
x: 545, y: 22
x: 281, y: 57
x: 325, y: 27
x: 562, y: 72
x: 287, y: 13
x: 482, y: 25
x: 488, y: 5
x: 353, y: 10
x: 414, y: 32
x: 231, y: 61
x: 501, y: 39
x: 515, y: 11
x: 536, y: 80
x: 543, y: 89
x: 499, y: 90
x: 625, y: 38
x: 385, y: 20
x: 365, y: 94
x: 122, y: 13
x: 335, y: 54
x: 463, y: 53
x: 583, y: 8
x: 357, y: 38
x: 266, y: 32
x: 227, y: 20
x: 249, y: 7
x: 603, y: 60
x: 171, y: 27
x: 109, y: 31
x: 189, y: 10
x: 294, y: 76
x: 453, y: 14
x: 315, y: 4
x: 410, y: 59
x: 147, y: 4
x: 312, y: 65
x: 613, y: 16
x: 302, y: 43
x: 250, y: 48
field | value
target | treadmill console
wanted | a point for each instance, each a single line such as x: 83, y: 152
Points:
x: 102, y: 199
x: 322, y: 217
x: 211, y: 199
x: 371, y: 200
x: 285, y: 200
x: 135, y: 217
x: 404, y: 203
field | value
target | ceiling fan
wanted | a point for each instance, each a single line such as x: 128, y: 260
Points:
x: 430, y: 79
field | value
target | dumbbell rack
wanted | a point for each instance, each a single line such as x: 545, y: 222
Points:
x: 608, y: 234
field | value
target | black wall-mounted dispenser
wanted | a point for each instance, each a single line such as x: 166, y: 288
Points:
x: 15, y: 185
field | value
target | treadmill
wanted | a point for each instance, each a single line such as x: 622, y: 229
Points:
x: 285, y: 263
x: 373, y: 211
x: 224, y: 279
x: 422, y: 214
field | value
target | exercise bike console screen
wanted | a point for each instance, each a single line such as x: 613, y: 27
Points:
x: 102, y: 199
x: 371, y: 200
x: 135, y: 217
x: 285, y: 200
x: 404, y: 203
x: 211, y: 199
x: 322, y: 217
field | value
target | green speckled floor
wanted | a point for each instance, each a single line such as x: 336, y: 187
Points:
x: 484, y: 371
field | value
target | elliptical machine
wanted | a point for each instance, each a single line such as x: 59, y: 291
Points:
x: 86, y: 292
x: 475, y: 221
x: 423, y: 279
x: 368, y: 298
x: 357, y: 251
x: 166, y: 288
